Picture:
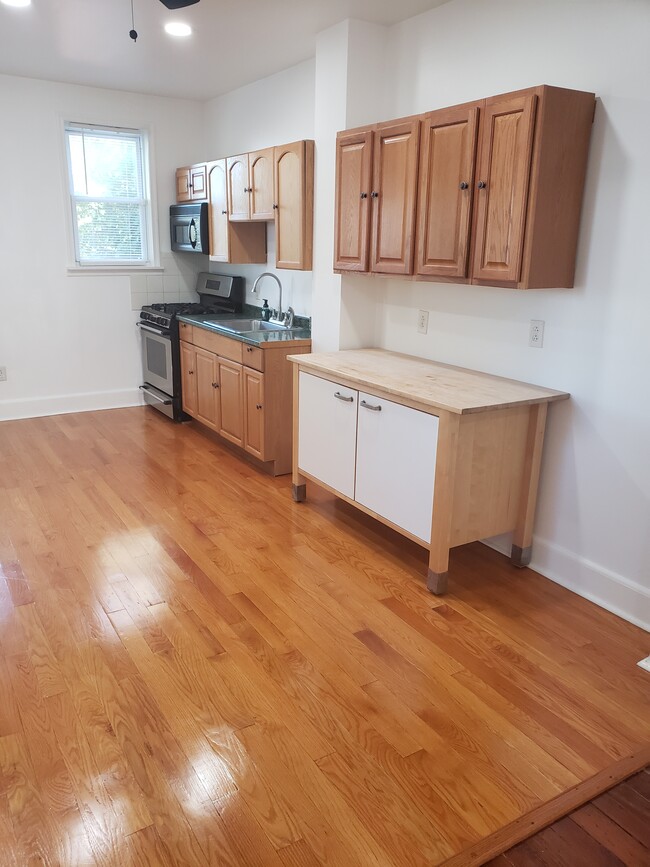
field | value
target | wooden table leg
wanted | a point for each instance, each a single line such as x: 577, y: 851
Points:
x: 299, y: 486
x: 443, y: 502
x: 522, y: 539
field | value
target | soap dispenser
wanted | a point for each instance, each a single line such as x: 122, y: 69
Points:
x: 266, y: 310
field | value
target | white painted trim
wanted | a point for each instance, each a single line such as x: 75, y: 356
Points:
x: 614, y: 592
x: 64, y: 403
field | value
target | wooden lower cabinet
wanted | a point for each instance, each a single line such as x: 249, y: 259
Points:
x: 254, y: 438
x: 231, y: 400
x: 248, y: 404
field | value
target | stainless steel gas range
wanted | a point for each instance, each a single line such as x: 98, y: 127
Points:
x: 161, y: 362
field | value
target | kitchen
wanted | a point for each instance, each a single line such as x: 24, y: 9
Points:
x: 595, y: 462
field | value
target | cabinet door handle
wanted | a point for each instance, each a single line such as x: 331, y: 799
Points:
x: 275, y: 207
x: 464, y: 185
x: 191, y: 372
x: 343, y: 397
x: 482, y: 185
x: 370, y: 406
x: 364, y: 195
x: 215, y: 385
x: 258, y: 406
x: 374, y: 194
x: 224, y: 212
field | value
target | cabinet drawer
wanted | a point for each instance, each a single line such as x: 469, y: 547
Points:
x: 253, y: 357
x: 223, y: 346
x: 186, y: 331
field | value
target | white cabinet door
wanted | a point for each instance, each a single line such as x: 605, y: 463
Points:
x: 327, y: 432
x: 396, y: 463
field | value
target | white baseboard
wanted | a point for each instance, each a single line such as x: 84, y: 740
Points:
x: 64, y: 403
x: 612, y: 591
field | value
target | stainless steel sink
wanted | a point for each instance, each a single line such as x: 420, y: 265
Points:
x: 242, y: 326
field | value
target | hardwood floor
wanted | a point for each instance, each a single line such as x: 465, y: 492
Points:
x: 195, y: 670
x: 611, y: 831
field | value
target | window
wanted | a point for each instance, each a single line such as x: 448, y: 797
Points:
x: 109, y: 195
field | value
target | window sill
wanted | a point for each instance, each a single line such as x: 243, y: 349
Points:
x: 117, y: 270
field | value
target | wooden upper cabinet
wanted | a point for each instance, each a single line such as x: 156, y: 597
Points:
x: 192, y: 183
x: 503, y: 176
x: 395, y: 166
x: 218, y: 214
x: 238, y: 191
x: 352, y: 209
x: 235, y: 242
x: 499, y: 191
x: 446, y: 184
x: 260, y: 184
x: 294, y: 205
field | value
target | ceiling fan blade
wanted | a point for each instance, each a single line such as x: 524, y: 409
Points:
x: 178, y: 4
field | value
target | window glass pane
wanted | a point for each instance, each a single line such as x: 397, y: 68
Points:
x: 77, y: 164
x: 109, y: 231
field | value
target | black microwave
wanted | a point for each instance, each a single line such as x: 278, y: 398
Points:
x: 189, y: 228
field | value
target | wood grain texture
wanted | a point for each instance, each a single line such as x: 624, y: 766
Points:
x: 196, y: 670
x: 424, y: 384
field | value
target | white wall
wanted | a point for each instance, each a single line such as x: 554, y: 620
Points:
x: 272, y: 111
x: 593, y: 517
x: 69, y: 342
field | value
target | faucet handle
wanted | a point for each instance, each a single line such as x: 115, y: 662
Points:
x: 288, y: 317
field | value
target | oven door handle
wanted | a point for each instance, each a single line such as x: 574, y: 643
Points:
x: 160, y: 333
x: 152, y: 393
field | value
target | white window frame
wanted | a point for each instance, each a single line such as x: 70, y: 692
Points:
x: 150, y: 260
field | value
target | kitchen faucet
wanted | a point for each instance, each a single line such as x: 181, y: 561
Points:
x: 284, y: 318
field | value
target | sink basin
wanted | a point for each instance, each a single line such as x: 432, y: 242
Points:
x: 242, y: 326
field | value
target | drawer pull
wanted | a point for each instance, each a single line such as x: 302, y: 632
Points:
x: 370, y: 406
x: 343, y: 397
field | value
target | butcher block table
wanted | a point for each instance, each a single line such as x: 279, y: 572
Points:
x: 441, y: 454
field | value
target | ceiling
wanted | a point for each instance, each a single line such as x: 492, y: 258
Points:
x: 234, y: 41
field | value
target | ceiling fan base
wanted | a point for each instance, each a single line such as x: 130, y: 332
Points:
x: 178, y: 4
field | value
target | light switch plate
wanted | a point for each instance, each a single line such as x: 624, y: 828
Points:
x: 645, y: 663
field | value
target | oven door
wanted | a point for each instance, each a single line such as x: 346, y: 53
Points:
x: 157, y: 365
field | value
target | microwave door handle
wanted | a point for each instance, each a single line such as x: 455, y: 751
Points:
x: 192, y: 233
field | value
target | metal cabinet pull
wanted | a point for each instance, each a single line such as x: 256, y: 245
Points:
x: 343, y: 397
x: 215, y: 385
x: 464, y: 185
x: 370, y: 406
x: 482, y: 185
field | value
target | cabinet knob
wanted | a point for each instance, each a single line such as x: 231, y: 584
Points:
x: 191, y: 372
x: 374, y: 194
x: 215, y: 385
x: 464, y: 185
x: 275, y: 207
x: 224, y: 212
x: 482, y: 185
x: 364, y: 195
x: 258, y: 406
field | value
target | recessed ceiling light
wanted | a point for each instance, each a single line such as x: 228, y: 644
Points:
x: 177, y: 28
x: 17, y: 2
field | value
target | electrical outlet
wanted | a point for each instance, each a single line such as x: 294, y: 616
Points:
x: 423, y: 321
x: 645, y: 663
x: 3, y: 374
x: 536, y: 333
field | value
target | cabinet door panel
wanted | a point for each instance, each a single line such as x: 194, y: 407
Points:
x: 183, y: 190
x: 393, y: 197
x: 503, y: 175
x: 198, y: 182
x: 261, y: 185
x: 188, y: 378
x: 219, y: 236
x: 396, y: 463
x: 294, y: 189
x: 254, y: 413
x: 207, y: 401
x: 231, y: 421
x: 327, y: 414
x: 238, y: 196
x: 447, y: 156
x: 353, y: 179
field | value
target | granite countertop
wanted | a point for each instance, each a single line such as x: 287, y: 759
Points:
x: 426, y: 383
x: 299, y: 334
